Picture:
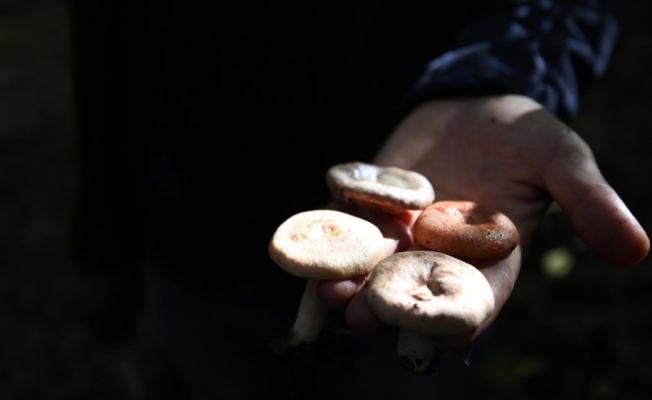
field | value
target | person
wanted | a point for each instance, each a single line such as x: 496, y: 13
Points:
x: 204, y: 125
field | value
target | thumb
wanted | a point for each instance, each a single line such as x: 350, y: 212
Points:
x: 598, y: 215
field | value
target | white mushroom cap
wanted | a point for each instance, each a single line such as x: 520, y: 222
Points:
x: 430, y: 292
x: 387, y: 189
x: 326, y: 244
x: 322, y: 244
x: 427, y: 293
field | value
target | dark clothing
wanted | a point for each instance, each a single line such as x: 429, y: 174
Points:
x: 230, y: 359
x: 204, y: 125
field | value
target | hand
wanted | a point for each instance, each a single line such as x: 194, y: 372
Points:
x: 510, y: 154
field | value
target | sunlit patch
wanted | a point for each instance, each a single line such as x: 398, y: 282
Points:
x: 557, y: 263
x: 554, y: 208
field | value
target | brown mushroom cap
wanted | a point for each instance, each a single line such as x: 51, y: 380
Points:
x: 326, y: 244
x: 387, y: 189
x: 466, y: 229
x: 430, y: 292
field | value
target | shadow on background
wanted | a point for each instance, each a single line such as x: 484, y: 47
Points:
x: 575, y: 326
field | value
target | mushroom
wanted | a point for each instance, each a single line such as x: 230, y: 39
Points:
x: 385, y: 189
x: 466, y: 229
x: 322, y: 244
x: 428, y: 293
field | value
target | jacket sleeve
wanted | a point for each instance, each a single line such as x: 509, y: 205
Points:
x: 546, y: 50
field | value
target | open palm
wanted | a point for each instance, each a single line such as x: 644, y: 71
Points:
x: 508, y: 153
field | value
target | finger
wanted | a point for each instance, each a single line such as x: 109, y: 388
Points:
x: 397, y: 230
x: 397, y: 235
x: 338, y: 293
x: 597, y: 214
x: 502, y: 276
x: 359, y: 316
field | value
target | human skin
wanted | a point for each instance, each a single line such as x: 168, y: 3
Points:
x: 508, y: 153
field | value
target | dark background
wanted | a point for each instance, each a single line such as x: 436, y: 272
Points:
x: 578, y: 328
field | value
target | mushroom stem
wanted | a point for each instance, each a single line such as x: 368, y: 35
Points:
x: 311, y: 316
x: 418, y: 351
x: 428, y: 294
x: 322, y: 244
